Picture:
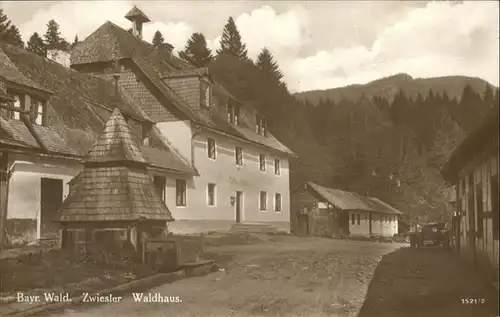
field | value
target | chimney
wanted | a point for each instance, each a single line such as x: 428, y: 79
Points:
x: 166, y: 48
x: 60, y: 57
x: 137, y: 17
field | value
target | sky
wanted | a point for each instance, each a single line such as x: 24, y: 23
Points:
x: 318, y: 44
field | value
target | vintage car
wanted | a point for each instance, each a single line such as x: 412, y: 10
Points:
x: 434, y: 233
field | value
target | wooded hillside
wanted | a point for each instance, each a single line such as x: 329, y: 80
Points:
x: 390, y: 146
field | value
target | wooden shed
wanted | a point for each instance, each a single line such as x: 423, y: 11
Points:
x: 114, y: 200
x: 321, y: 211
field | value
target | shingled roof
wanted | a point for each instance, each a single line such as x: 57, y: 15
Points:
x: 78, y: 109
x: 155, y: 65
x: 344, y: 200
x: 116, y: 143
x: 136, y: 14
x: 10, y: 72
x: 115, y: 184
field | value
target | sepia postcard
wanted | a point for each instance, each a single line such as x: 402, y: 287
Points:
x: 249, y: 158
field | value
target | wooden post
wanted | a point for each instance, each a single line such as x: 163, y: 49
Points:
x: 4, y: 196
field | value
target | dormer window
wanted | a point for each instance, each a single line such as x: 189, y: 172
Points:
x: 205, y: 93
x: 261, y: 127
x: 233, y: 113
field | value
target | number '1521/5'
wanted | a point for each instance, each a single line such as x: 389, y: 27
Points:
x: 473, y: 301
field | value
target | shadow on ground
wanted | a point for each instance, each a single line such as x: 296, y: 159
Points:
x: 427, y: 282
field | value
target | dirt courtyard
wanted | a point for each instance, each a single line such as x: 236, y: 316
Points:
x: 300, y: 277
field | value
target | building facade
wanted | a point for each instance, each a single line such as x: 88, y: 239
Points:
x: 214, y: 161
x: 473, y: 170
x: 50, y: 119
x: 242, y: 169
x: 320, y: 211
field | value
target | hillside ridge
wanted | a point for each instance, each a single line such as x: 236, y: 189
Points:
x: 388, y: 87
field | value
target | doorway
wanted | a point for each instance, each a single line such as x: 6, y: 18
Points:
x: 51, y: 198
x: 239, y: 206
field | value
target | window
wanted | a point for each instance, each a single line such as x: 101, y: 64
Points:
x: 160, y: 184
x: 353, y: 218
x: 277, y: 202
x: 479, y: 208
x: 211, y: 194
x: 261, y: 125
x: 204, y: 93
x: 180, y: 191
x: 494, y: 204
x: 262, y: 162
x: 37, y: 111
x: 211, y: 148
x: 277, y: 168
x: 236, y: 114
x: 17, y: 103
x: 239, y: 156
x: 230, y: 113
x: 359, y: 218
x: 146, y: 134
x: 263, y: 201
x: 233, y: 113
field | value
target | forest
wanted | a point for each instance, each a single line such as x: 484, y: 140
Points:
x: 389, y: 146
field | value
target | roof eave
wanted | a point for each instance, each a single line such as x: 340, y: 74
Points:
x: 35, y: 88
x: 173, y: 171
x: 38, y: 153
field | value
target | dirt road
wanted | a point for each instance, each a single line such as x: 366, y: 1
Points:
x: 314, y: 277
x: 298, y: 277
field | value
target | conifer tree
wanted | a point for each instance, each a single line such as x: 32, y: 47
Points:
x: 266, y: 62
x: 53, y: 38
x: 36, y: 45
x: 75, y: 41
x: 9, y: 33
x: 488, y: 96
x: 231, y: 42
x: 158, y: 38
x: 196, y: 51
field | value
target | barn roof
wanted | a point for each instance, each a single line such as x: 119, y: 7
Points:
x: 110, y: 188
x: 344, y: 200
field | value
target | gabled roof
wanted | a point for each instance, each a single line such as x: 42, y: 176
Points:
x: 111, y: 189
x: 344, y: 200
x: 10, y: 72
x: 155, y: 65
x: 78, y: 109
x: 116, y: 143
x: 107, y: 43
x: 137, y: 15
x: 483, y: 137
x: 212, y: 118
